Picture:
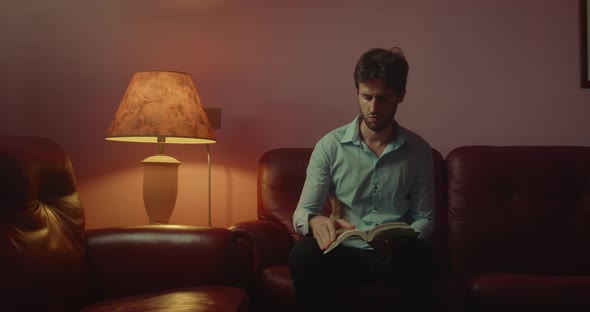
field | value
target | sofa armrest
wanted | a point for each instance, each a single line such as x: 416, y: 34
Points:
x: 131, y: 260
x: 270, y: 243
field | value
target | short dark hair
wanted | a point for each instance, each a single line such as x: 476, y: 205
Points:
x: 390, y: 66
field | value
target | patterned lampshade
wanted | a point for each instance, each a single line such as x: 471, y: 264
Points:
x: 161, y: 106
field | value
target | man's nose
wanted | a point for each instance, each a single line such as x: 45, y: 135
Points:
x: 375, y: 104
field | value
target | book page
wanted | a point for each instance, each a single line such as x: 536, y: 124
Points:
x: 344, y: 235
x: 389, y: 225
x: 391, y: 230
x: 386, y: 232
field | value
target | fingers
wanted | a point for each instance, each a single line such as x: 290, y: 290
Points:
x: 345, y: 224
x: 324, y: 232
x: 331, y: 232
x: 322, y: 235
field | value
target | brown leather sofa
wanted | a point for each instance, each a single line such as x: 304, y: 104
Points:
x: 512, y: 230
x: 512, y: 234
x: 519, y: 226
x: 49, y: 262
x: 281, y: 175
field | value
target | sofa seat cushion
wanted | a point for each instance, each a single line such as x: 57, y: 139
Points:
x: 494, y: 291
x: 276, y: 285
x: 213, y: 298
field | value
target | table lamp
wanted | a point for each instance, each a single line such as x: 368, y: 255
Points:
x: 162, y: 107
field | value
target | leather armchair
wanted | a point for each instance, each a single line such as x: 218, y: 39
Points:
x: 49, y: 262
x: 281, y: 174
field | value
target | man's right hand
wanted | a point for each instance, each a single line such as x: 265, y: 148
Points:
x: 324, y: 229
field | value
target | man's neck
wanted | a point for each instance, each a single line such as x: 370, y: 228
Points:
x: 376, y: 141
x: 382, y: 137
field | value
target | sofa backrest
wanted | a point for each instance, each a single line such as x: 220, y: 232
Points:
x: 42, y: 243
x: 519, y: 209
x: 281, y: 174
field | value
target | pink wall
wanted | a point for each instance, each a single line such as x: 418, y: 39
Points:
x: 481, y: 72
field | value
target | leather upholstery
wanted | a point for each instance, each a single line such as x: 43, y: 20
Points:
x: 512, y: 226
x: 48, y: 262
x: 281, y: 174
x: 42, y: 243
x: 166, y: 266
x: 519, y: 225
x: 205, y: 298
x: 512, y: 230
x: 529, y: 292
x: 154, y: 257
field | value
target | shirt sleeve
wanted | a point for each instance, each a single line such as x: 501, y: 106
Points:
x: 315, y: 190
x: 422, y: 197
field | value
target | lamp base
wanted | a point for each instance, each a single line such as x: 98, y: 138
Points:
x: 160, y: 187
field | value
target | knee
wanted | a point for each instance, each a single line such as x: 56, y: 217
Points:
x: 417, y: 252
x: 304, y: 252
x: 417, y: 248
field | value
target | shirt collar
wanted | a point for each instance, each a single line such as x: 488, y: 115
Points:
x: 352, y: 134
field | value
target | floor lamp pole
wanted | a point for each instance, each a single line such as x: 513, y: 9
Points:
x: 209, y: 184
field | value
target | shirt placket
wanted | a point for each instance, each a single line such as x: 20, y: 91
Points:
x: 376, y: 187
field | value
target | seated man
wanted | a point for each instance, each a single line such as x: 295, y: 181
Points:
x: 380, y: 172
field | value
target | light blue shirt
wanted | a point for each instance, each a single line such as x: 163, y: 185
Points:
x: 398, y: 186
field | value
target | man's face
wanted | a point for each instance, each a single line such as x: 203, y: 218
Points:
x: 378, y: 103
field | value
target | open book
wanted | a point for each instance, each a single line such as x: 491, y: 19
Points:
x: 384, y: 232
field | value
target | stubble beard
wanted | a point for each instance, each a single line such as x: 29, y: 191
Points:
x: 381, y: 123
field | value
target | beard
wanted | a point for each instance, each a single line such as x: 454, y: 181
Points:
x: 382, y: 121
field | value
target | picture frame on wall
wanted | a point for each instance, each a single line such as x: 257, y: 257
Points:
x: 584, y: 41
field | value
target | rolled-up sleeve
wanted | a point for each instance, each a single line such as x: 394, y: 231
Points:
x: 315, y: 190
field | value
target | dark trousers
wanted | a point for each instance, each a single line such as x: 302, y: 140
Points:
x: 316, y: 277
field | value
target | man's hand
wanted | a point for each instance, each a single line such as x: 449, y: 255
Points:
x: 324, y: 229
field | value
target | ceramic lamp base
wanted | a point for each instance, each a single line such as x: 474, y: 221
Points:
x: 160, y: 187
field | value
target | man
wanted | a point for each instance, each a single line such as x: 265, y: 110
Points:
x: 379, y: 172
